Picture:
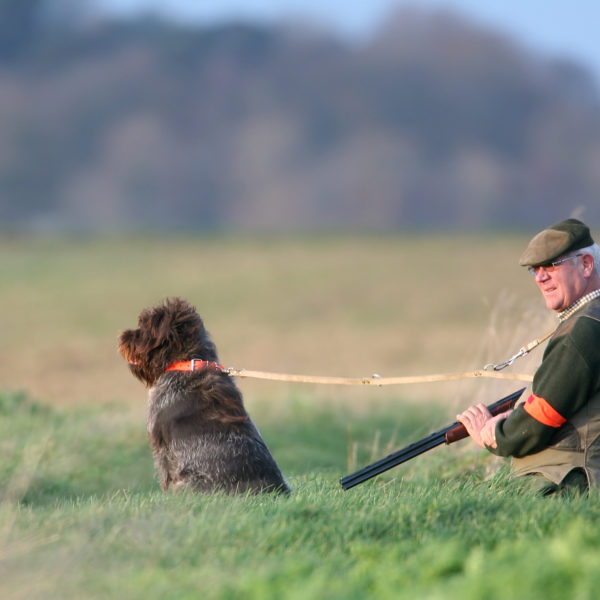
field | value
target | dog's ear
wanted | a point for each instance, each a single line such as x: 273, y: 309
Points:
x: 126, y: 345
x: 177, y: 326
x: 169, y: 326
x: 192, y: 339
x: 184, y: 320
x: 130, y: 350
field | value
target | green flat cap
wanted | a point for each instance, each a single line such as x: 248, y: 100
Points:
x: 565, y: 236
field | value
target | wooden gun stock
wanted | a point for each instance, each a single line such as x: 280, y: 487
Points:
x: 448, y: 435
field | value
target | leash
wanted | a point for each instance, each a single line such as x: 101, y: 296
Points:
x: 378, y: 380
x: 196, y: 364
x: 375, y: 380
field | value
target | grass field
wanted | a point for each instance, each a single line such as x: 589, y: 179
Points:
x: 81, y: 515
x: 83, y: 518
x: 348, y: 306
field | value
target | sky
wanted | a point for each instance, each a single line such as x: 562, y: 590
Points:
x: 554, y: 27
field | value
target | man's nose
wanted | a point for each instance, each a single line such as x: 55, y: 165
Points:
x: 542, y: 274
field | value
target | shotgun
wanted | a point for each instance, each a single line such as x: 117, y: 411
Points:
x: 449, y: 435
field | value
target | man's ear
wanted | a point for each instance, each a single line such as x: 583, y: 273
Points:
x: 588, y: 264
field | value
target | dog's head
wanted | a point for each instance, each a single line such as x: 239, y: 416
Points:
x: 166, y: 333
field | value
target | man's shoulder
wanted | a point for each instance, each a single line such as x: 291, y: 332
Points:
x: 591, y: 310
x: 585, y: 329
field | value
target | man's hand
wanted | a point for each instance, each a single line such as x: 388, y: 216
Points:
x: 481, y: 425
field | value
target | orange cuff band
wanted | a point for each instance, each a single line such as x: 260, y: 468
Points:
x: 542, y: 411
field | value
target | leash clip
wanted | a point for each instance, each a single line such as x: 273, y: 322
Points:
x: 506, y: 363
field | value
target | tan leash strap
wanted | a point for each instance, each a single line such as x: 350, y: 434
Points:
x: 522, y: 352
x: 375, y: 380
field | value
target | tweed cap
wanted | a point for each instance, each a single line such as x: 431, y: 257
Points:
x: 565, y: 236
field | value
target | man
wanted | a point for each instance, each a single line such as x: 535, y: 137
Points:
x: 555, y: 434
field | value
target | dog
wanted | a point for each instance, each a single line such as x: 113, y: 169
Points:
x: 201, y: 436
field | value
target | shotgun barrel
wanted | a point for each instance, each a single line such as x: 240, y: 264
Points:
x: 448, y: 435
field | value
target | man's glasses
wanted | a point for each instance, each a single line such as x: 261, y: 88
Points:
x: 549, y: 267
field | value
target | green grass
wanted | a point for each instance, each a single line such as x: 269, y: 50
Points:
x: 82, y: 517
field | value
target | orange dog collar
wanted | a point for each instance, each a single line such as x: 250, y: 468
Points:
x: 195, y: 365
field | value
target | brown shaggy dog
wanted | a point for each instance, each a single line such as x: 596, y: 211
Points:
x: 202, y: 437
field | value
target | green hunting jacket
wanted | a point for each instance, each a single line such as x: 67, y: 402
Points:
x: 558, y: 427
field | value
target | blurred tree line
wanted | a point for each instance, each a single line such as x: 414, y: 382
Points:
x: 431, y: 122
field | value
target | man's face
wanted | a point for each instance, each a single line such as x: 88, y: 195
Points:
x: 562, y: 284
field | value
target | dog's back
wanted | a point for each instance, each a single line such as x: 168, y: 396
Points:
x: 203, y: 439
